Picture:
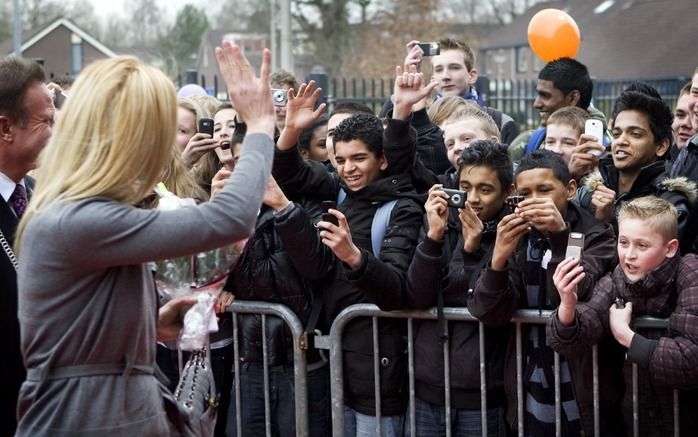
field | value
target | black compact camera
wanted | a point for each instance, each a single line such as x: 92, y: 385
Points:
x: 430, y: 48
x: 279, y: 97
x: 326, y: 216
x: 206, y: 126
x: 456, y: 198
x: 513, y: 202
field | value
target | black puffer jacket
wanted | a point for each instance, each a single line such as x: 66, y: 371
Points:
x: 266, y: 272
x: 377, y: 280
x: 445, y: 265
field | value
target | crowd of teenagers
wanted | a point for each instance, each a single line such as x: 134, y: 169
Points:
x: 438, y: 201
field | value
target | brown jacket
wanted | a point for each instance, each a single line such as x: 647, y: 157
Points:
x: 666, y: 359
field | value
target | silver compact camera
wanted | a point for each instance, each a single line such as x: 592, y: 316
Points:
x: 279, y: 97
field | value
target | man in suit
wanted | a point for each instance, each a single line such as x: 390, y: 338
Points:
x: 26, y: 120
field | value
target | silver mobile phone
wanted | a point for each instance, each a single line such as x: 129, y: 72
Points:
x: 575, y: 243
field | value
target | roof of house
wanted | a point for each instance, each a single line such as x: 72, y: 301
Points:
x: 31, y: 37
x: 628, y: 39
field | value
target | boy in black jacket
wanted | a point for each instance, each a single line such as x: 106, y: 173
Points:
x: 529, y: 245
x: 458, y: 243
x: 344, y: 255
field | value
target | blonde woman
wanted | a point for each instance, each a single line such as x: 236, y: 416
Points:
x: 87, y: 303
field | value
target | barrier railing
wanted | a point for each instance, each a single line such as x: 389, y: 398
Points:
x: 333, y: 342
x: 299, y: 361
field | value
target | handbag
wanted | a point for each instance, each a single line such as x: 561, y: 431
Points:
x: 192, y: 408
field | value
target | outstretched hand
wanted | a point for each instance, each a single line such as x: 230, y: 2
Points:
x: 299, y: 109
x: 249, y: 94
x: 409, y: 90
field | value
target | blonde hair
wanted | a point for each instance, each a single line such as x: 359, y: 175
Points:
x: 208, y: 104
x: 571, y: 116
x: 658, y: 214
x: 472, y: 111
x: 113, y: 139
x: 441, y: 109
x: 191, y: 106
x: 179, y: 180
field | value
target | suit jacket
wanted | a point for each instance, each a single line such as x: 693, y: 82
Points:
x: 12, y: 371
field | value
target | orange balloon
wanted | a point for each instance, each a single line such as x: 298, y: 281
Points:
x: 553, y: 34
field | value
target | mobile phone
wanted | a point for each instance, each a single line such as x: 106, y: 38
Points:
x: 59, y: 100
x: 595, y: 128
x: 620, y: 302
x: 326, y: 216
x: 456, y: 198
x: 430, y: 48
x: 279, y: 97
x: 575, y: 243
x: 206, y: 126
x: 513, y: 202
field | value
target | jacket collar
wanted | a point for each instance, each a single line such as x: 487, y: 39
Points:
x: 654, y: 292
x: 647, y: 177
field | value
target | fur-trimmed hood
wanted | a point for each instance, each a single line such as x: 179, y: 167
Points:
x: 680, y: 184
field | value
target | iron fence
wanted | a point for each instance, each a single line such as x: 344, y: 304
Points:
x: 512, y: 96
x: 333, y: 342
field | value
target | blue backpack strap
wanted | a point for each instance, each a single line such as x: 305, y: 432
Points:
x: 379, y: 225
x: 341, y: 195
x: 536, y: 140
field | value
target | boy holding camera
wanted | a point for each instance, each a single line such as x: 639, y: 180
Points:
x: 458, y: 243
x: 652, y: 279
x: 530, y: 242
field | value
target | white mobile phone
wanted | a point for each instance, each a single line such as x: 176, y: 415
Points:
x: 595, y: 128
x: 575, y: 243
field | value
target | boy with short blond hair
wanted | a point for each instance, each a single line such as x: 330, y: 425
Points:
x: 651, y: 279
x: 465, y: 126
x: 565, y: 126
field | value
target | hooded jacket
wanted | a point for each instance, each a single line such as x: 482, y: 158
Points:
x: 378, y: 280
x: 652, y: 180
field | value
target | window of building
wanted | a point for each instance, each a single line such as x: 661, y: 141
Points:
x: 523, y: 59
x: 76, y: 54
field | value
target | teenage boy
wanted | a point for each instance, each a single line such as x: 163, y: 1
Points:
x: 562, y: 82
x: 356, y: 265
x: 565, y: 136
x: 447, y: 262
x: 641, y: 134
x: 460, y: 129
x: 529, y: 244
x: 455, y: 74
x: 651, y: 279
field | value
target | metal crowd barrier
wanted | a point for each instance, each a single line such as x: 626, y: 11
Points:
x: 333, y: 343
x: 299, y: 361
